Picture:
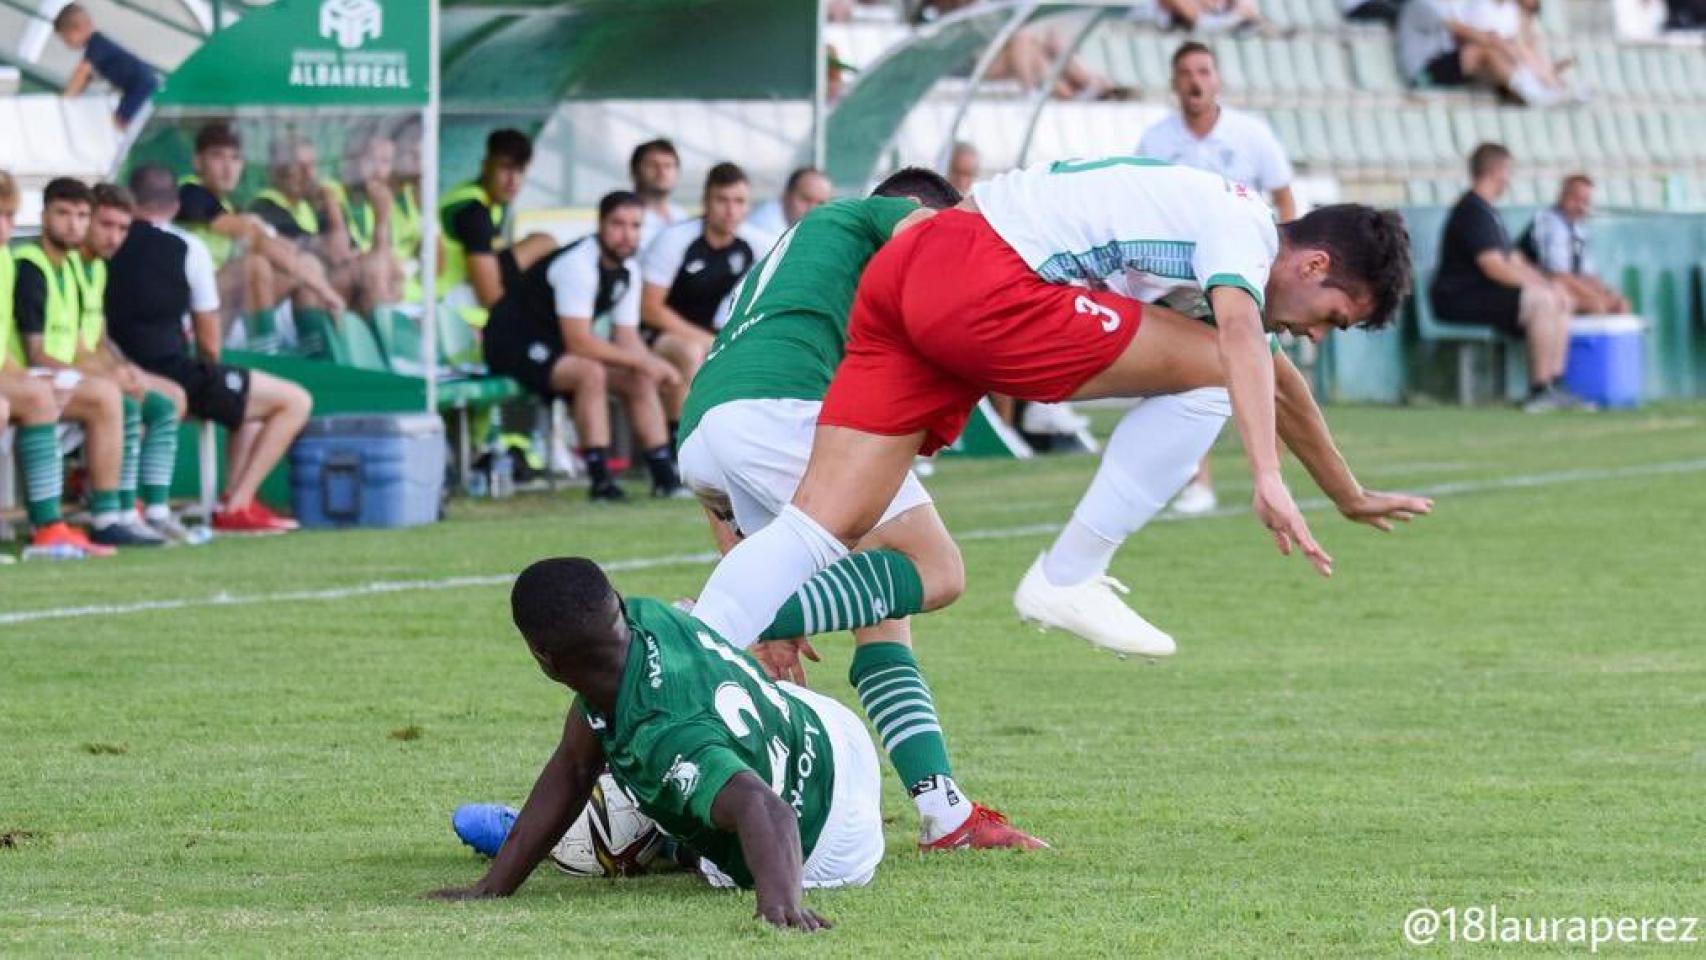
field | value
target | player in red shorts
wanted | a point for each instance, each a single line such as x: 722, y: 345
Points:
x: 1035, y: 287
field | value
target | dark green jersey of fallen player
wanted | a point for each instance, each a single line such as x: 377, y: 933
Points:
x: 693, y: 712
x: 788, y: 329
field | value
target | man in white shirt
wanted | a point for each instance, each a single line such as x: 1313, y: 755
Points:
x: 1069, y: 280
x: 656, y: 168
x: 1557, y: 242
x: 1240, y: 147
x: 807, y: 188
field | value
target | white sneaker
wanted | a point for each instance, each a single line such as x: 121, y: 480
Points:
x: 1091, y: 610
x: 1195, y: 499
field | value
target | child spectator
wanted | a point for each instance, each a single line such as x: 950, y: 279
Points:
x: 135, y: 80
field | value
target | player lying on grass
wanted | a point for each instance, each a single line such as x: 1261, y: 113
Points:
x: 746, y: 434
x: 775, y: 787
x: 1036, y: 287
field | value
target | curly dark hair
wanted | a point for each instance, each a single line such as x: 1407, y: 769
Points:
x: 1369, y: 250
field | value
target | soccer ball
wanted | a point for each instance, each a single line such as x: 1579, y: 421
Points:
x: 611, y: 837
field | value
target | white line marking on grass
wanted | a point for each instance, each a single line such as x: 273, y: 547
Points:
x: 380, y: 587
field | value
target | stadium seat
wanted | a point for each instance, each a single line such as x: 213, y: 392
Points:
x: 1375, y: 64
x: 1292, y: 74
x: 1656, y: 134
x: 1257, y: 75
x: 1317, y: 146
x: 1513, y: 133
x: 1416, y: 142
x: 1609, y: 70
x: 1464, y: 131
x: 1616, y: 147
x: 1634, y: 74
x: 353, y: 344
x: 1116, y: 47
x: 1562, y: 132
x: 1536, y: 129
x: 1154, y: 57
x: 1335, y: 73
x: 1232, y: 77
x: 1633, y: 137
x: 1588, y: 143
x: 1342, y: 139
x: 1290, y: 134
x: 1420, y: 193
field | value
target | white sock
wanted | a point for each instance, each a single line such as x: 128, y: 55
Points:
x: 762, y: 572
x: 1525, y: 84
x: 105, y: 519
x: 1153, y: 453
x: 942, y: 807
x: 157, y: 511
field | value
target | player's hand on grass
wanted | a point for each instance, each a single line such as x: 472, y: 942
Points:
x: 1378, y: 510
x: 1279, y: 513
x: 459, y: 893
x: 792, y: 916
x: 781, y: 659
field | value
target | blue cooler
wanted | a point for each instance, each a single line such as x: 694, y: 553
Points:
x: 368, y: 470
x: 1608, y: 359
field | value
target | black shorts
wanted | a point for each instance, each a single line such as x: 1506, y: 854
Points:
x: 512, y: 350
x: 215, y: 392
x: 1446, y: 70
x: 1496, y: 306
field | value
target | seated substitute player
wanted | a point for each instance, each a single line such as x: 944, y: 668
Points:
x: 382, y: 224
x: 746, y: 437
x: 775, y: 787
x: 46, y: 306
x: 161, y: 274
x: 477, y: 266
x: 570, y: 327
x: 29, y: 403
x: 1038, y: 256
x: 153, y: 405
x: 303, y: 209
x: 689, y: 270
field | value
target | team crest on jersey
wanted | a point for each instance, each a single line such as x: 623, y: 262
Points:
x: 683, y: 775
x: 737, y: 262
x: 618, y: 289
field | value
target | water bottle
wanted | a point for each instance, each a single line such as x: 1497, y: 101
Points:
x: 57, y: 551
x: 477, y: 485
x: 503, y: 475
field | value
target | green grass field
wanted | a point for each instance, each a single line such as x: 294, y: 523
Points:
x: 1502, y: 704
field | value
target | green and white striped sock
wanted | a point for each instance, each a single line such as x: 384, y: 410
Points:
x: 159, y: 448
x: 44, y: 472
x: 898, y: 703
x: 132, y: 460
x: 856, y: 591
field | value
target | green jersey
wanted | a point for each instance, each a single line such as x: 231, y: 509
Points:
x: 692, y: 712
x: 787, y: 331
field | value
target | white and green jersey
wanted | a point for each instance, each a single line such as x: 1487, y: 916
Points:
x: 691, y: 713
x: 1140, y: 227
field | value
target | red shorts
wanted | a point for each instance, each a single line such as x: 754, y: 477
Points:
x: 948, y: 312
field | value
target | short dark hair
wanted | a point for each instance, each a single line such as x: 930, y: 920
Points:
x: 153, y: 186
x: 1484, y: 157
x: 69, y: 16
x: 1192, y: 46
x: 660, y: 145
x: 215, y: 135
x: 1369, y: 250
x: 114, y: 197
x: 798, y: 175
x: 1575, y: 180
x: 931, y: 188
x: 560, y: 603
x: 509, y: 144
x: 616, y: 200
x: 67, y: 190
x: 724, y: 174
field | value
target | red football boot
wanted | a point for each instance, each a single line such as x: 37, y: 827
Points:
x: 267, y: 513
x: 60, y: 539
x: 245, y: 520
x: 985, y: 829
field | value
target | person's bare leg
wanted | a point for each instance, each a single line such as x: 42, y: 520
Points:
x: 533, y: 248
x: 1547, y: 332
x: 260, y: 284
x: 642, y: 395
x: 1169, y: 354
x: 686, y: 355
x: 98, y: 405
x: 239, y: 446
x: 166, y: 388
x: 282, y: 409
x: 921, y: 535
x: 585, y: 379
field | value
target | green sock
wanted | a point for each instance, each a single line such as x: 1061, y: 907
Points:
x: 898, y: 703
x: 105, y: 506
x: 260, y: 329
x: 132, y: 451
x: 44, y: 472
x: 855, y: 591
x: 314, y: 330
x: 159, y: 448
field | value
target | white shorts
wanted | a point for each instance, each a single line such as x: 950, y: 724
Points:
x: 850, y: 846
x: 747, y: 457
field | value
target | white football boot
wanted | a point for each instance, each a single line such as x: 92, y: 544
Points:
x: 1091, y: 610
x: 1196, y: 499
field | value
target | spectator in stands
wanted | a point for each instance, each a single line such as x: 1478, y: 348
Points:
x: 964, y: 167
x: 656, y: 169
x: 257, y: 270
x: 374, y: 214
x: 29, y: 403
x: 303, y: 209
x: 46, y: 303
x: 478, y: 266
x: 688, y: 271
x: 572, y: 326
x: 153, y: 405
x: 1240, y: 147
x: 1447, y: 43
x: 806, y: 188
x: 1557, y: 243
x: 135, y: 80
x: 1483, y: 280
x: 161, y: 274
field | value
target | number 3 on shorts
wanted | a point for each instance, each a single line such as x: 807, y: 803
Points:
x: 1110, y: 319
